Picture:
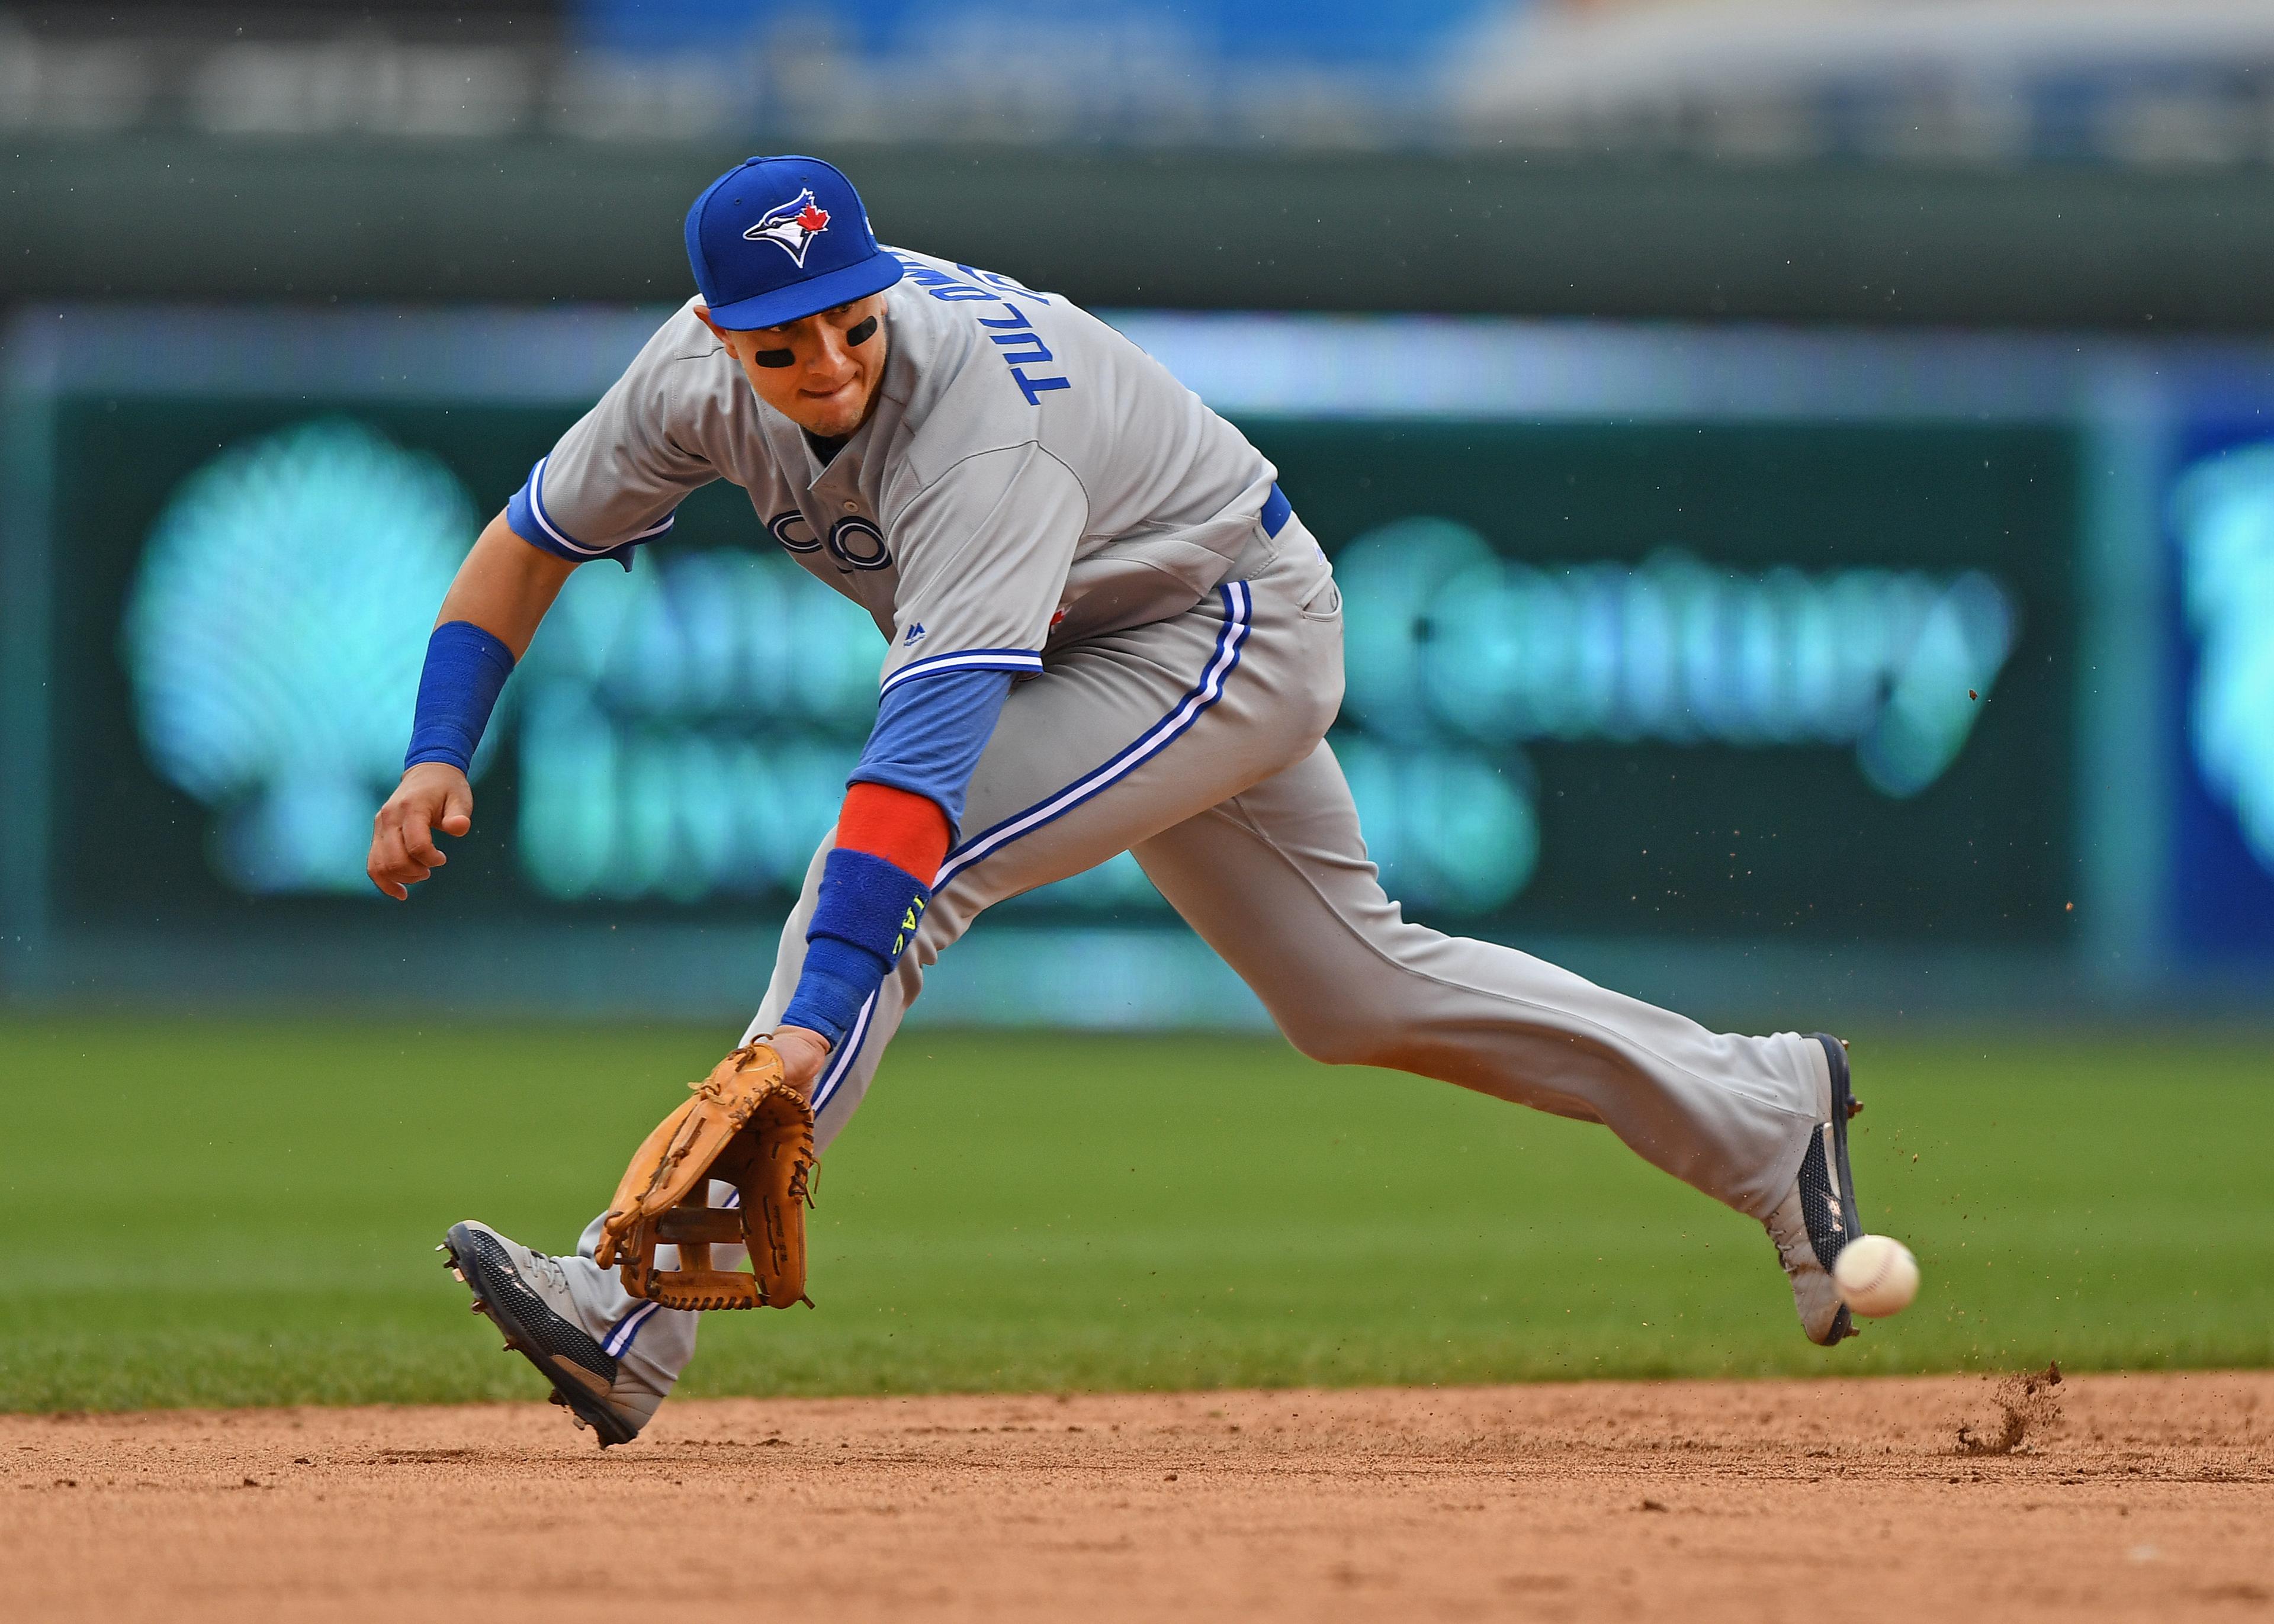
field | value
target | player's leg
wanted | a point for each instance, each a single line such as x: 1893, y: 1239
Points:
x: 1277, y: 880
x: 1122, y: 736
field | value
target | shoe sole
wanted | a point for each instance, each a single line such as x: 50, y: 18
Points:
x: 1844, y: 1105
x: 571, y: 1382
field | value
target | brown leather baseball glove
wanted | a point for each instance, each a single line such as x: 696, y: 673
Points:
x: 744, y: 1125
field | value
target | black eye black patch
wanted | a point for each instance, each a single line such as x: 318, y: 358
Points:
x: 860, y: 333
x: 775, y: 357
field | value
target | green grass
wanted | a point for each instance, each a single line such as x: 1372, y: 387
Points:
x: 238, y: 1212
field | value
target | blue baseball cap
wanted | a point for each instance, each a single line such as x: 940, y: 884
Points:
x: 775, y: 240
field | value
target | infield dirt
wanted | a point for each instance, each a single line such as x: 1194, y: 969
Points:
x: 2098, y: 1497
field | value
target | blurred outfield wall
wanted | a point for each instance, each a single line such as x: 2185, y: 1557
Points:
x: 317, y: 218
x: 1760, y: 670
x: 1815, y: 556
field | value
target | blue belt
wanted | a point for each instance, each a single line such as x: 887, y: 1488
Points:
x: 1276, y: 511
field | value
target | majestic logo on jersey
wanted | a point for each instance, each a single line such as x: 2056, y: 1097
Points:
x: 792, y: 227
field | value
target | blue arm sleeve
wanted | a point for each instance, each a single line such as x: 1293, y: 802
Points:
x: 466, y: 668
x: 929, y: 734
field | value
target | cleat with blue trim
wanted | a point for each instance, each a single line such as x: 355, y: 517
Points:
x: 1821, y: 1214
x: 525, y: 1294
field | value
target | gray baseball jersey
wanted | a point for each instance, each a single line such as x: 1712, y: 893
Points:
x: 1029, y: 476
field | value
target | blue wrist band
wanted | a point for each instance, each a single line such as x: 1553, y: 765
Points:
x: 837, y: 979
x: 466, y: 667
x: 869, y: 901
x: 865, y: 918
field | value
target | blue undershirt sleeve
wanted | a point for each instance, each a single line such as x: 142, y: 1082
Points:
x: 929, y: 734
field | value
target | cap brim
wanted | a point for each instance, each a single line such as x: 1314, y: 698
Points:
x: 802, y: 299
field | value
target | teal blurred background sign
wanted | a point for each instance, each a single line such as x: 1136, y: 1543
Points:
x: 2222, y: 527
x: 1703, y: 678
x: 1715, y: 655
x: 270, y: 637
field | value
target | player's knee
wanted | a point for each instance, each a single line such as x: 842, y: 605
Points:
x: 1349, y: 1036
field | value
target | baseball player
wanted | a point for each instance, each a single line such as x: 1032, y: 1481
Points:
x: 1104, y: 628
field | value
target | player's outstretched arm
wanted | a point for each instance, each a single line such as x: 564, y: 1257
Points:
x: 491, y: 612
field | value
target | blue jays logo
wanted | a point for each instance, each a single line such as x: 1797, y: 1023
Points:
x: 792, y: 227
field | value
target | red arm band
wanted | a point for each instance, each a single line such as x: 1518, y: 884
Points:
x: 907, y: 831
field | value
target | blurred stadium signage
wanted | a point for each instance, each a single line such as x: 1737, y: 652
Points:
x: 1672, y: 642
x: 2147, y: 82
x: 262, y: 638
x: 2222, y: 520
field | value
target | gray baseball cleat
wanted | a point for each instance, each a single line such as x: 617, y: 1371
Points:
x: 526, y: 1296
x: 1820, y: 1216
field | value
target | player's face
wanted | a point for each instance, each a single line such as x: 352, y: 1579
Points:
x: 820, y: 373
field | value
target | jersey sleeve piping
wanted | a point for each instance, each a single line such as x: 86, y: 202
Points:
x: 537, y: 505
x: 552, y: 538
x: 1024, y: 661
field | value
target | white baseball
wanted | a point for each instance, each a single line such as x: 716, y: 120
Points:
x: 1876, y: 1276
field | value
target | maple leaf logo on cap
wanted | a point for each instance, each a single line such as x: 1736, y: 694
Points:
x: 793, y: 226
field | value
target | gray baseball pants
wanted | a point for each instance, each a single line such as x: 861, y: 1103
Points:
x: 1198, y: 744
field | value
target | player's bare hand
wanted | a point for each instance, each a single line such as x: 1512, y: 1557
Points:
x: 803, y: 1053
x: 432, y: 795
